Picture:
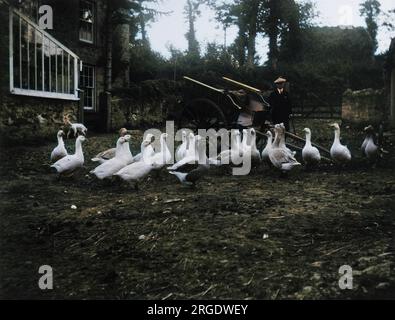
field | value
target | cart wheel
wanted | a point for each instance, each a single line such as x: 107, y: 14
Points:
x: 202, y: 114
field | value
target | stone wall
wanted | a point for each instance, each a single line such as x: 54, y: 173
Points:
x: 32, y: 119
x: 364, y: 107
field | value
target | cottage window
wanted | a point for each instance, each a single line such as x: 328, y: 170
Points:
x: 40, y: 65
x: 87, y: 21
x: 87, y: 83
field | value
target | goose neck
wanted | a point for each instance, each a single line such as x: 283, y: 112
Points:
x: 337, y: 136
x: 60, y: 141
x: 308, y: 139
x: 78, y: 149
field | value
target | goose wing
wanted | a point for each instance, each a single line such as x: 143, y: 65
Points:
x: 105, y: 155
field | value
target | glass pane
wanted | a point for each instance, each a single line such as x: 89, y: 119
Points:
x: 32, y: 58
x: 59, y: 61
x: 47, y: 70
x: 65, y: 71
x: 16, y: 48
x: 39, y: 54
x: 53, y: 66
x: 72, y: 61
x: 25, y: 54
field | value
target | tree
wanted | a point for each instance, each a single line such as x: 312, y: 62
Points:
x: 389, y: 20
x: 118, y: 12
x: 370, y: 10
x: 296, y: 18
x: 144, y: 16
x: 192, y: 12
x: 245, y: 15
x: 272, y: 18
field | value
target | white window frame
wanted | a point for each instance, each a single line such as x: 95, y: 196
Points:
x: 93, y: 108
x: 39, y: 93
x: 93, y: 22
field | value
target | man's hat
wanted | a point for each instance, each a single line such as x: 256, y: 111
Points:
x: 280, y: 80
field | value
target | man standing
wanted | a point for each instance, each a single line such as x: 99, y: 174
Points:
x: 280, y: 103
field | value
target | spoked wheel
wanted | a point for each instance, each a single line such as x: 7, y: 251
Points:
x: 202, y: 114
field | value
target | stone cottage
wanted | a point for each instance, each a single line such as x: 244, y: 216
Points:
x: 48, y: 73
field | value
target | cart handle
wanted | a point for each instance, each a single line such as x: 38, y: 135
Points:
x: 214, y: 89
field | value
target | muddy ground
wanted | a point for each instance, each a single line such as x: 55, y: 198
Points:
x: 253, y: 237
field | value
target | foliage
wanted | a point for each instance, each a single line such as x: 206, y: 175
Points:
x: 320, y: 62
x: 370, y: 9
x: 192, y: 12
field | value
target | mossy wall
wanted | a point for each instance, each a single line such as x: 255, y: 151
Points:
x: 365, y: 107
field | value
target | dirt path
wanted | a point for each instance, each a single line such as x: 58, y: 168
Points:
x: 253, y: 237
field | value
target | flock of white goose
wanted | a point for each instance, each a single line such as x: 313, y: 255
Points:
x: 191, y: 158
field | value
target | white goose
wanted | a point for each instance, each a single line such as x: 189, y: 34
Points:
x: 279, y: 157
x: 110, y: 153
x: 138, y: 170
x: 160, y: 159
x: 369, y: 148
x: 283, y: 145
x: 311, y: 155
x: 269, y: 144
x: 192, y: 155
x: 198, y: 170
x: 150, y: 150
x: 59, y: 151
x: 226, y: 157
x: 182, y: 148
x: 191, y: 146
x: 255, y: 154
x: 71, y: 163
x: 339, y: 153
x: 121, y: 160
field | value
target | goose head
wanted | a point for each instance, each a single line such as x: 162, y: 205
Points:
x: 252, y: 134
x: 60, y: 133
x: 149, y: 137
x: 369, y: 129
x: 269, y: 134
x: 164, y: 136
x: 127, y: 138
x: 307, y: 130
x: 145, y: 144
x: 81, y: 139
x: 237, y: 138
x: 122, y: 140
x: 123, y: 132
x: 245, y: 136
x: 335, y: 126
x: 183, y: 136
